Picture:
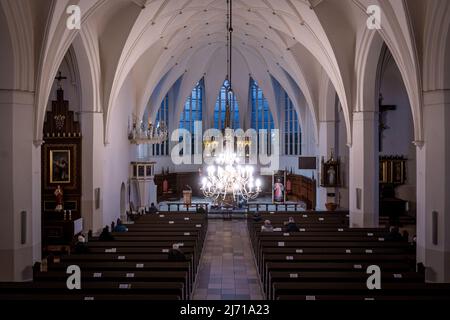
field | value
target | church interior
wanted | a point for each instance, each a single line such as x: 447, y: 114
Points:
x: 225, y: 150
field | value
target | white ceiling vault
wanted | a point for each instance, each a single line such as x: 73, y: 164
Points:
x: 154, y: 43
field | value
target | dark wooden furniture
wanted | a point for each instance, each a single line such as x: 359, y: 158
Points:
x: 327, y: 260
x: 303, y: 189
x: 136, y: 265
x: 177, y: 182
x: 62, y: 136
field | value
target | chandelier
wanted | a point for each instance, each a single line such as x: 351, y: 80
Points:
x: 149, y: 134
x: 228, y: 181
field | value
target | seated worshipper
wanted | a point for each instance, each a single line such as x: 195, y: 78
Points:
x: 106, y: 235
x: 257, y: 217
x: 394, y: 235
x: 267, y: 226
x: 113, y: 225
x: 291, y: 226
x: 81, y: 246
x: 201, y: 209
x: 175, y: 254
x: 152, y: 208
x: 405, y: 235
x: 120, y: 227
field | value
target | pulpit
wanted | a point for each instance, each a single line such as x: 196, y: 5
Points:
x: 142, y: 182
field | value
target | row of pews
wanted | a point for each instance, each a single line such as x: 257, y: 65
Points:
x: 327, y: 260
x: 134, y: 266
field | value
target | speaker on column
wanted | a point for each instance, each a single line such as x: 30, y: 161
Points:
x: 434, y: 225
x: 23, y: 227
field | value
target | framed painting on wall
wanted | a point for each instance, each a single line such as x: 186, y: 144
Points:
x: 60, y: 166
x: 398, y: 172
x: 279, y: 187
x: 384, y: 170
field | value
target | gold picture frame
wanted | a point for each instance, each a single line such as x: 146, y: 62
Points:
x: 392, y: 170
x: 398, y: 172
x: 60, y: 166
x: 384, y: 171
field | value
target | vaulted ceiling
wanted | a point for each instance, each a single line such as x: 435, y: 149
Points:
x: 303, y: 44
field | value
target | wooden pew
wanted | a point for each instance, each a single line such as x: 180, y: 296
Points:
x: 360, y: 288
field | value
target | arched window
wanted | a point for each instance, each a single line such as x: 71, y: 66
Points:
x: 219, y: 110
x: 261, y: 115
x: 292, y: 130
x: 162, y: 149
x: 192, y: 111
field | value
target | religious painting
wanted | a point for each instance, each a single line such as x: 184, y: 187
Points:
x: 384, y: 170
x: 330, y: 173
x: 392, y: 170
x: 141, y: 171
x: 279, y: 187
x: 148, y: 171
x: 60, y: 166
x: 398, y: 170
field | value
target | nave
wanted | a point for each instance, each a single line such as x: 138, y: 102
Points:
x: 331, y: 113
x: 183, y: 256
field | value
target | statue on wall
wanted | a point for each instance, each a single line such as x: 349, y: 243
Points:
x: 59, y: 199
x: 165, y: 186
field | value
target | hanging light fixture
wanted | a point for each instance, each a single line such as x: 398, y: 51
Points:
x: 149, y: 134
x: 227, y: 181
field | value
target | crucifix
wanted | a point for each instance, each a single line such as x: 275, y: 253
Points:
x: 381, y: 124
x: 59, y: 78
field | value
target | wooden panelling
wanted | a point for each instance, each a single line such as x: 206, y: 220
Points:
x: 62, y: 143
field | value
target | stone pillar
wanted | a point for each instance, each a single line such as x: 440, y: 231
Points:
x: 20, y: 187
x: 433, y: 188
x: 92, y: 164
x: 327, y: 130
x: 363, y: 172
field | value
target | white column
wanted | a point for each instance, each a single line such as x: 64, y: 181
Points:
x: 433, y: 188
x: 20, y: 187
x: 364, y: 168
x: 92, y: 164
x: 326, y: 145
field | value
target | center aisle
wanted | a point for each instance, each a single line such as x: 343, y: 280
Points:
x: 227, y: 269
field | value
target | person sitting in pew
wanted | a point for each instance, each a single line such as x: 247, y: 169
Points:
x: 201, y: 209
x: 394, y: 235
x: 120, y: 227
x: 113, y: 225
x: 175, y: 254
x: 153, y: 208
x: 291, y: 226
x: 267, y: 226
x: 106, y: 235
x: 405, y: 235
x: 81, y: 246
x: 257, y: 217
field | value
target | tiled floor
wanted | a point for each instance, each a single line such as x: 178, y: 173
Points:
x: 227, y: 270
